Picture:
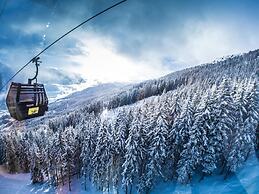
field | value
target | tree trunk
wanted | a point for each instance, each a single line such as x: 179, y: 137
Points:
x: 85, y: 180
x: 227, y: 173
x: 56, y: 172
x: 130, y: 189
x: 202, y: 177
x: 223, y: 167
x: 62, y: 178
x: 69, y: 178
x: 247, y: 155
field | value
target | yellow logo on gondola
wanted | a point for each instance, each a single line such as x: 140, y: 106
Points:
x: 33, y: 111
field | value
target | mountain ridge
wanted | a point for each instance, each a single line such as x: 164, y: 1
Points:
x: 128, y: 94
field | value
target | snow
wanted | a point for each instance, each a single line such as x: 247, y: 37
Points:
x: 245, y: 181
x: 59, y: 91
x: 21, y: 184
x: 71, y: 102
x: 85, y: 96
x: 137, y: 108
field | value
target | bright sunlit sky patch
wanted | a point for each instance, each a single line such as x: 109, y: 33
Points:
x: 141, y: 39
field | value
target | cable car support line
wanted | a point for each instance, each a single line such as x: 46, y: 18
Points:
x: 33, y: 59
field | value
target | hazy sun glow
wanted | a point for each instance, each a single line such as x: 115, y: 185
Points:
x: 100, y: 61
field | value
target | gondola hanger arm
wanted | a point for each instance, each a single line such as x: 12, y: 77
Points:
x: 101, y: 12
x: 37, y: 64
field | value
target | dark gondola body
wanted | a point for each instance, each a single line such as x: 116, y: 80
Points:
x: 26, y: 101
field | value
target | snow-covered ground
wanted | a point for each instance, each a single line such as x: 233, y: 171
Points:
x: 21, y: 184
x: 72, y: 98
x: 245, y: 181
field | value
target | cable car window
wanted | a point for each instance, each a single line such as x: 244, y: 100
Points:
x: 26, y: 97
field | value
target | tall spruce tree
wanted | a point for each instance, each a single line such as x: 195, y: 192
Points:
x: 102, y: 157
x: 134, y: 153
x: 36, y: 164
x: 157, y: 150
x: 225, y: 120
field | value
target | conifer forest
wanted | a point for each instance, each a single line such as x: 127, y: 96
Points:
x: 200, y: 121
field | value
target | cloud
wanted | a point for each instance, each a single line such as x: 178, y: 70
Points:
x: 138, y: 40
x: 101, y: 61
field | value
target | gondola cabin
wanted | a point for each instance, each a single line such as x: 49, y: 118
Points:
x: 26, y: 101
x: 30, y: 100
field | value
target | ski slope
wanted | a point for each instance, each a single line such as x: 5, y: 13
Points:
x: 245, y: 181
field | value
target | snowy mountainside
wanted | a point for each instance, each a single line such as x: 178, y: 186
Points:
x: 59, y: 83
x: 78, y: 99
x: 5, y: 74
x: 235, y: 67
x: 240, y: 66
x: 63, y: 106
x: 188, y: 125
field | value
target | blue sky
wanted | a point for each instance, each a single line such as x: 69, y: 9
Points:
x: 138, y: 40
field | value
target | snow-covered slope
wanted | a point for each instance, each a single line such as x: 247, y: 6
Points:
x: 5, y: 74
x: 245, y: 181
x: 76, y: 100
x: 189, y: 125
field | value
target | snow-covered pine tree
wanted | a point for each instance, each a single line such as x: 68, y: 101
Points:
x: 225, y: 119
x: 69, y: 154
x: 87, y: 149
x: 251, y: 123
x: 236, y: 156
x: 12, y: 160
x: 88, y: 135
x: 48, y: 168
x: 157, y: 149
x: 207, y: 116
x: 120, y: 132
x: 36, y: 164
x: 102, y: 158
x: 193, y: 150
x: 149, y: 113
x: 24, y: 157
x: 215, y: 137
x: 134, y: 153
x: 179, y: 134
x: 173, y: 102
x: 77, y: 144
x: 57, y: 159
x: 42, y: 137
x: 2, y: 149
x: 175, y: 108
